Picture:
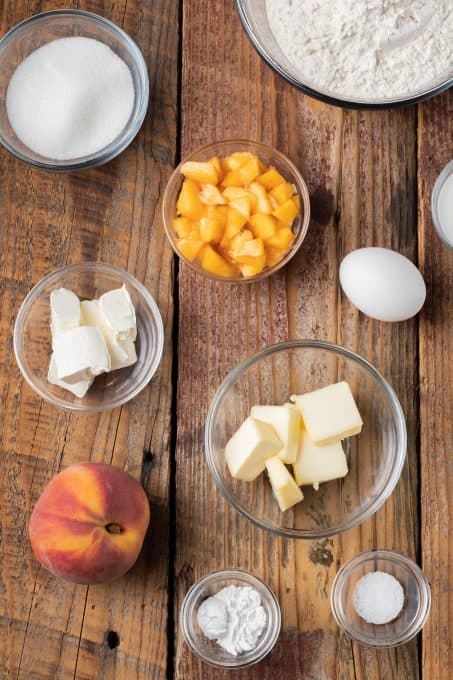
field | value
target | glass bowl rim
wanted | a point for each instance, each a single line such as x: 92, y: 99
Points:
x: 400, y: 425
x: 302, y: 191
x: 402, y: 560
x: 442, y: 177
x: 99, y: 268
x: 223, y: 575
x: 326, y: 98
x: 128, y: 133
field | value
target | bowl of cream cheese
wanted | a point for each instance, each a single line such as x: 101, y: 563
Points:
x: 88, y: 337
x: 355, y: 53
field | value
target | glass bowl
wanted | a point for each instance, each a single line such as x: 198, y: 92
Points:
x: 417, y: 599
x: 32, y: 337
x: 40, y: 29
x: 375, y: 457
x: 268, y: 155
x: 435, y: 197
x: 253, y: 16
x: 208, y: 650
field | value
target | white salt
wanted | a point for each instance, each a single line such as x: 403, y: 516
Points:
x: 378, y: 597
x: 70, y: 98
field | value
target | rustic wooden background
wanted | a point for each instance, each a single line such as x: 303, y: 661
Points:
x: 370, y: 177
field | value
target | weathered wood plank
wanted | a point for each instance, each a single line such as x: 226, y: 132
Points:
x: 51, y: 629
x: 360, y: 169
x: 435, y: 149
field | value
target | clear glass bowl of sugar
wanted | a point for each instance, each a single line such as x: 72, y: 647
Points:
x: 32, y: 337
x: 38, y: 30
x: 415, y: 609
x: 209, y: 650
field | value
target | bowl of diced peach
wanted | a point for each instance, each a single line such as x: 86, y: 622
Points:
x: 236, y: 210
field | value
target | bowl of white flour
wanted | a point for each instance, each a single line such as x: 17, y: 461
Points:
x: 73, y: 90
x: 356, y: 53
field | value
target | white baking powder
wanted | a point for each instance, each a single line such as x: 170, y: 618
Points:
x: 70, y: 98
x: 378, y: 597
x: 367, y: 49
x: 234, y: 617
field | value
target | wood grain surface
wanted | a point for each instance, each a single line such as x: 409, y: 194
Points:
x: 370, y: 176
x: 51, y: 629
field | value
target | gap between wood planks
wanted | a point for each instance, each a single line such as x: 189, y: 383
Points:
x: 171, y: 614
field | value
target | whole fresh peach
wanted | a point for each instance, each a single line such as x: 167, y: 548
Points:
x: 89, y: 523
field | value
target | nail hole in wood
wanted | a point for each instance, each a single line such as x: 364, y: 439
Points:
x: 113, y: 639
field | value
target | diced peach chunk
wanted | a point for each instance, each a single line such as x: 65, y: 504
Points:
x: 215, y: 162
x: 263, y: 226
x: 215, y: 263
x: 271, y: 179
x: 236, y: 218
x: 189, y: 204
x: 233, y: 178
x: 210, y: 230
x: 273, y: 255
x: 238, y: 242
x: 242, y: 205
x: 262, y: 206
x: 282, y: 192
x: 183, y: 226
x: 248, y: 270
x: 286, y: 213
x: 189, y: 248
x: 282, y: 239
x: 210, y: 195
x: 204, y: 173
x: 249, y: 252
x: 250, y: 170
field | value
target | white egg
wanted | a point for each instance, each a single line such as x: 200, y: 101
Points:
x: 382, y: 283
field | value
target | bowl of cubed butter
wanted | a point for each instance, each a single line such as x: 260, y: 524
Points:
x: 88, y: 337
x: 306, y: 439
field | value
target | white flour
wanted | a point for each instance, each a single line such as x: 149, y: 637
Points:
x: 365, y: 48
x: 234, y: 617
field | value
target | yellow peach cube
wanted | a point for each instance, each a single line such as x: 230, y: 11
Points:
x: 257, y: 267
x: 188, y: 248
x: 249, y: 252
x: 263, y: 226
x: 210, y: 195
x: 271, y: 179
x: 215, y: 162
x: 281, y: 239
x: 210, y: 230
x: 204, y: 173
x: 213, y: 262
x: 238, y: 241
x: 189, y: 204
x: 183, y: 226
x: 262, y: 206
x: 296, y: 201
x: 242, y: 205
x: 236, y: 218
x: 218, y: 212
x: 273, y: 255
x: 250, y: 170
x: 286, y: 213
x: 282, y: 192
x: 233, y: 179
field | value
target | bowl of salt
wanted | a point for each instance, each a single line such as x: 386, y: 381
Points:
x: 380, y: 598
x: 74, y: 90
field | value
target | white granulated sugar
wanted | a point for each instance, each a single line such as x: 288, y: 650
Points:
x: 70, y: 98
x: 378, y: 597
x: 370, y: 49
x: 234, y: 617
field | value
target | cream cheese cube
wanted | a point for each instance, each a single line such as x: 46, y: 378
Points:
x: 118, y: 313
x: 329, y: 414
x: 79, y: 389
x: 122, y: 353
x: 248, y: 449
x: 64, y: 311
x: 318, y: 463
x: 286, y: 422
x: 80, y: 353
x: 283, y: 485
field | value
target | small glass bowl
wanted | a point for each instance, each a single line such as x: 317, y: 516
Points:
x: 32, y: 337
x: 438, y: 186
x: 40, y: 29
x: 208, y: 650
x: 417, y: 599
x: 375, y: 457
x: 269, y: 156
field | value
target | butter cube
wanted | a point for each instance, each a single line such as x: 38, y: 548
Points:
x: 78, y: 389
x: 64, y: 310
x: 284, y: 487
x: 79, y: 354
x: 316, y: 464
x: 248, y: 449
x: 329, y: 414
x: 286, y: 422
x: 122, y: 352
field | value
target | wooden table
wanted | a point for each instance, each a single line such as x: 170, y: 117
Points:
x: 370, y: 177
